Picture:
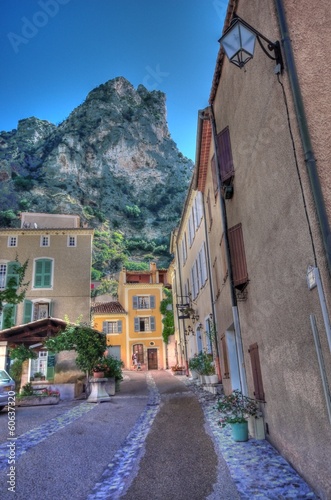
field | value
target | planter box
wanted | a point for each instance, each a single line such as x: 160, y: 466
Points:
x: 37, y: 400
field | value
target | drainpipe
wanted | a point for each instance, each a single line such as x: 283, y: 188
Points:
x: 240, y: 352
x: 304, y: 133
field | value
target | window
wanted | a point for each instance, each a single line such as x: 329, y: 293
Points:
x: 144, y: 324
x: 112, y: 326
x: 202, y: 265
x: 3, y: 273
x: 256, y: 370
x: 210, y: 216
x: 143, y: 302
x: 184, y: 248
x: 44, y: 241
x: 238, y: 258
x: 72, y: 241
x: 38, y: 309
x: 214, y: 174
x: 139, y: 350
x: 43, y: 273
x: 12, y: 241
x: 190, y: 231
x: 225, y: 160
x: 39, y: 365
x: 217, y: 289
x: 8, y: 274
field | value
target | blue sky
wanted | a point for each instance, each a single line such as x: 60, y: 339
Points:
x: 53, y: 52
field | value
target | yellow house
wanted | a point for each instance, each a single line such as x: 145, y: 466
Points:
x: 134, y: 324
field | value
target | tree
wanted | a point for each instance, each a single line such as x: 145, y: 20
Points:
x: 19, y: 354
x: 88, y: 343
x: 168, y: 316
x: 14, y: 292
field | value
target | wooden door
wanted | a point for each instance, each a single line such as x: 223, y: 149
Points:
x: 152, y: 359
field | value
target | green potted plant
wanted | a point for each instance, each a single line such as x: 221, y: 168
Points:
x: 37, y: 376
x: 235, y: 410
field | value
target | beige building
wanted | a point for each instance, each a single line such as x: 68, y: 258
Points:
x: 191, y: 279
x: 267, y: 201
x: 59, y: 254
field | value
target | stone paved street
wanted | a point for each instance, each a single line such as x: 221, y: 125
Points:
x: 158, y: 438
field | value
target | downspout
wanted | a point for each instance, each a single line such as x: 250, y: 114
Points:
x: 304, y: 133
x: 240, y: 351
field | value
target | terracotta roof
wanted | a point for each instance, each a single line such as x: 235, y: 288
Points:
x: 108, y: 308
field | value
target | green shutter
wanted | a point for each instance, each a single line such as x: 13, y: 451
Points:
x: 105, y: 326
x: 135, y: 302
x: 136, y: 325
x: 12, y: 276
x: 119, y: 326
x: 152, y: 301
x: 50, y: 373
x: 9, y: 316
x: 43, y: 273
x: 27, y: 316
x: 152, y: 322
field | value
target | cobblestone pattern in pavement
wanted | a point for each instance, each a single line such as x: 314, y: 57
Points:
x: 258, y: 470
x: 31, y: 438
x: 119, y: 473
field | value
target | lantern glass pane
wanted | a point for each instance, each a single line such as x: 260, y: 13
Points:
x: 231, y: 42
x: 247, y: 39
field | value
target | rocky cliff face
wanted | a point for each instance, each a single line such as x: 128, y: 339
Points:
x: 111, y: 161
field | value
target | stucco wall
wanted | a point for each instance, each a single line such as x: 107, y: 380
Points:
x: 268, y: 202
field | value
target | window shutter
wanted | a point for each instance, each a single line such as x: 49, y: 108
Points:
x: 225, y: 357
x: 50, y: 372
x: 12, y: 276
x: 152, y: 301
x: 50, y: 309
x: 135, y: 302
x: 136, y: 325
x: 47, y: 273
x: 9, y: 315
x: 214, y: 174
x: 238, y: 257
x: 225, y: 160
x: 152, y: 323
x: 119, y: 326
x: 256, y: 370
x: 27, y: 311
x: 105, y: 326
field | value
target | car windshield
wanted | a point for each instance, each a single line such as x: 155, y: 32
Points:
x: 4, y: 377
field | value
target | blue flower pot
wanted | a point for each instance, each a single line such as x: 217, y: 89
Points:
x: 240, y: 431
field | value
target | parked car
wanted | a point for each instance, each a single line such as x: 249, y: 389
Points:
x: 7, y: 385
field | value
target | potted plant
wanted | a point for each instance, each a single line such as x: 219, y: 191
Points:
x: 113, y: 371
x: 236, y: 409
x: 194, y: 365
x: 38, y: 376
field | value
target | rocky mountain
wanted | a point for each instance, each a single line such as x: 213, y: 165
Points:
x: 112, y: 161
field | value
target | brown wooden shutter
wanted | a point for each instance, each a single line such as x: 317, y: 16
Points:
x: 225, y: 358
x: 256, y: 370
x: 238, y: 257
x: 225, y: 160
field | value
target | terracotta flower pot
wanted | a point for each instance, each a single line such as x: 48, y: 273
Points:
x: 98, y: 374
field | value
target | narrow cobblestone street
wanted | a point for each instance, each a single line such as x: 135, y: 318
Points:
x: 158, y: 438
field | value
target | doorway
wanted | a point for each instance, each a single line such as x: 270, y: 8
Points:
x: 233, y: 359
x: 152, y: 359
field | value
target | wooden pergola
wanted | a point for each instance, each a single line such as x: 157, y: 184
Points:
x: 33, y: 333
